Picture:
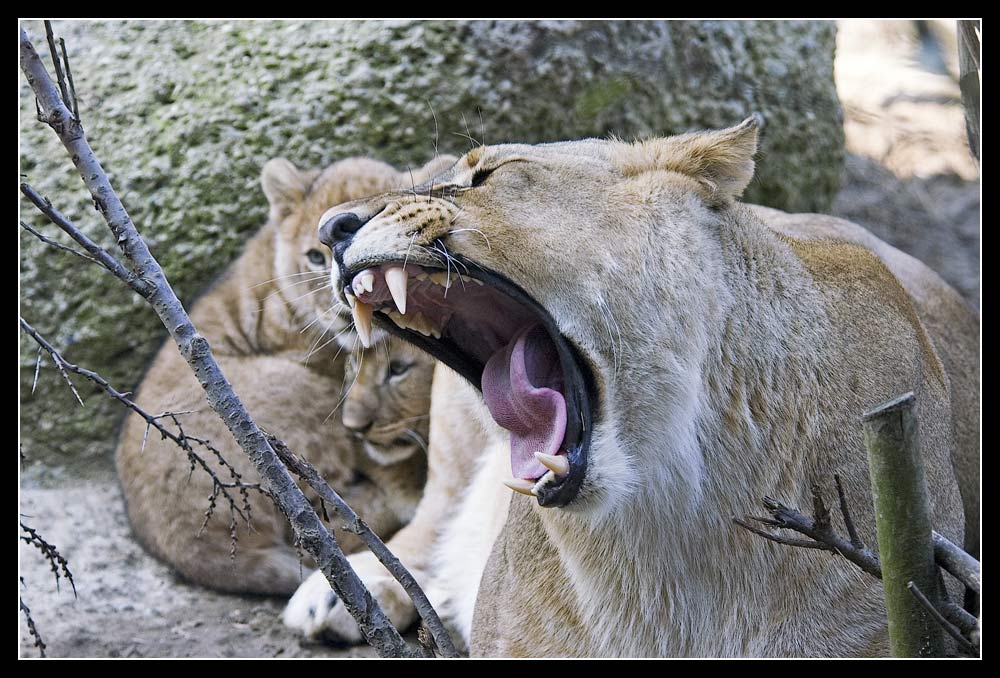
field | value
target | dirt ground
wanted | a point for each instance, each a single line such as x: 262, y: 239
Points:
x: 909, y: 178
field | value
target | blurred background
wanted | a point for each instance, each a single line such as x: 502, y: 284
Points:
x: 863, y: 120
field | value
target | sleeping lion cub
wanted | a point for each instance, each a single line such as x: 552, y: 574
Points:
x: 270, y: 322
x: 640, y: 357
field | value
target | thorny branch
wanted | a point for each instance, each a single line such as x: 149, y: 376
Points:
x: 58, y: 563
x: 823, y: 537
x: 39, y: 643
x: 149, y: 281
x: 183, y: 441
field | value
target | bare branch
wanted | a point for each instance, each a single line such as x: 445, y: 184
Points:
x: 98, y: 252
x: 939, y: 618
x: 181, y: 440
x: 56, y: 62
x: 355, y: 524
x: 31, y: 627
x: 957, y: 562
x: 855, y: 550
x: 308, y: 529
x: 846, y: 513
x: 69, y: 77
x: 778, y: 539
x: 57, y: 562
x: 53, y: 243
x: 793, y: 519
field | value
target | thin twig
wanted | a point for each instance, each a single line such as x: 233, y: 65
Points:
x: 57, y: 562
x: 69, y: 77
x: 39, y: 643
x: 846, y: 513
x: 778, y: 539
x: 56, y: 62
x: 99, y: 253
x: 939, y: 618
x: 53, y: 243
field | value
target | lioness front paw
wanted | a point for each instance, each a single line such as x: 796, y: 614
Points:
x: 317, y: 612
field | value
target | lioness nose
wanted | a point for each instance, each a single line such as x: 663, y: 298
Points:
x: 339, y: 227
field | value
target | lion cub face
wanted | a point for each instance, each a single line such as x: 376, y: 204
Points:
x: 558, y: 279
x: 297, y: 198
x: 388, y: 400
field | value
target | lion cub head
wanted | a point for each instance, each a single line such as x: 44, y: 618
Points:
x: 388, y: 400
x: 572, y: 283
x: 296, y: 199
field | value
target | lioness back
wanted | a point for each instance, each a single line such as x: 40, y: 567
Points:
x: 271, y: 323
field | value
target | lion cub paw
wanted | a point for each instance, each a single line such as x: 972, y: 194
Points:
x: 316, y: 612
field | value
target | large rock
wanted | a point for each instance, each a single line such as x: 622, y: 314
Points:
x: 184, y: 114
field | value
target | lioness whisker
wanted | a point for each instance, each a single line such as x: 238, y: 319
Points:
x: 473, y: 230
x: 416, y: 437
x: 283, y: 277
x: 361, y: 358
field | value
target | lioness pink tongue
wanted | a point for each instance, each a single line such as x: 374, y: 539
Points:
x: 522, y: 385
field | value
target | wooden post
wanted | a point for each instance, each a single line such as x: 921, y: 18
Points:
x: 902, y: 519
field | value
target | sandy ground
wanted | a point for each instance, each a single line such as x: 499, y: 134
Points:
x: 909, y: 178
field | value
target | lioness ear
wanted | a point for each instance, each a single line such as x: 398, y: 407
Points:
x: 721, y: 160
x: 433, y: 168
x: 285, y: 186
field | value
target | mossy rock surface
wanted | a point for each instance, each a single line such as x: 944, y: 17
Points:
x: 184, y: 114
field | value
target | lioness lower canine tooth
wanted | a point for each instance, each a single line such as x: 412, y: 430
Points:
x: 554, y: 462
x: 395, y: 280
x: 523, y: 486
x: 362, y: 314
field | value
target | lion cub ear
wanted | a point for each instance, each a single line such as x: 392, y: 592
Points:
x: 720, y: 160
x: 285, y: 186
x: 433, y: 168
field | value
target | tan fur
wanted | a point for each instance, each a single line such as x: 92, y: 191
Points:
x: 270, y: 321
x: 734, y: 350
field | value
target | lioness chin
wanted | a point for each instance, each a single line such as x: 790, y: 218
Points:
x: 641, y: 357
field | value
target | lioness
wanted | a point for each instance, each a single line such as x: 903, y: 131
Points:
x: 271, y: 324
x: 651, y: 357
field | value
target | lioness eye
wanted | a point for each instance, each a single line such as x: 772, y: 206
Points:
x: 479, y: 176
x: 398, y: 367
x: 316, y: 258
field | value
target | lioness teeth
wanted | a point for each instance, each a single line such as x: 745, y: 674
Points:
x: 362, y: 314
x: 363, y: 282
x: 417, y: 322
x: 523, y: 486
x: 395, y: 280
x: 441, y: 278
x: 555, y: 463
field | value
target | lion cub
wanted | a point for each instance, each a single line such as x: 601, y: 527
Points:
x: 271, y: 323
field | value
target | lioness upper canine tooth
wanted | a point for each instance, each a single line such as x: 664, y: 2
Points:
x: 555, y: 463
x: 395, y: 280
x: 362, y: 314
x: 351, y: 299
x: 523, y: 486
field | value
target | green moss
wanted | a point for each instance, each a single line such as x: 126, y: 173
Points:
x: 184, y: 114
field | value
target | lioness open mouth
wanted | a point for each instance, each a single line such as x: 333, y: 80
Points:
x: 504, y: 343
